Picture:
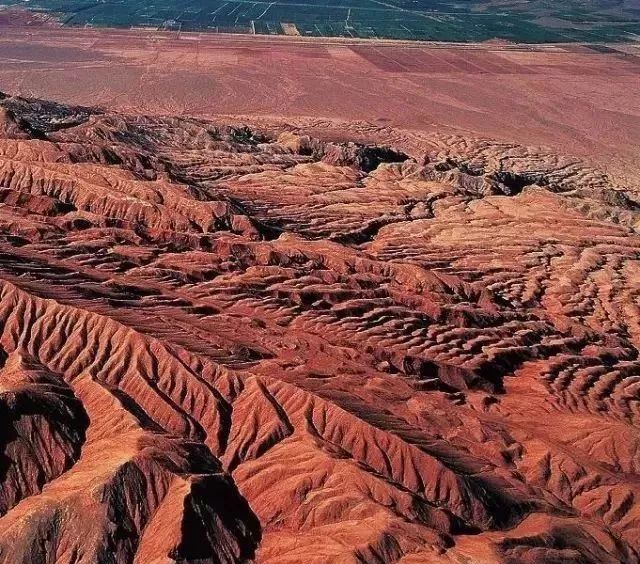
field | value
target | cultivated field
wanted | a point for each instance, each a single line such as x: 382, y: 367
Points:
x: 440, y: 20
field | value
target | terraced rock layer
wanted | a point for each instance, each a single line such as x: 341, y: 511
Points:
x: 225, y: 345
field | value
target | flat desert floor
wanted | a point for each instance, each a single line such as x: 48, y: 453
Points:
x: 582, y: 100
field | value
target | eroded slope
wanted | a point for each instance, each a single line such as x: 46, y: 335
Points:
x: 220, y: 345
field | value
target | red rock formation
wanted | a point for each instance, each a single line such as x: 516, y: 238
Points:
x: 223, y: 346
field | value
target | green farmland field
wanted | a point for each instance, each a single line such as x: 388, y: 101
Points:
x: 533, y: 21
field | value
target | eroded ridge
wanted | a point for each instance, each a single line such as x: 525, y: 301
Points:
x: 221, y: 345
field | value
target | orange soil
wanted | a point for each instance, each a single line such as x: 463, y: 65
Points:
x: 567, y: 97
x: 220, y: 345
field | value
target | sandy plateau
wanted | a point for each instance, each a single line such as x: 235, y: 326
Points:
x: 575, y: 99
x: 310, y: 302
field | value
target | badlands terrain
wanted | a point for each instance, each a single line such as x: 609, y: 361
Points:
x: 310, y: 343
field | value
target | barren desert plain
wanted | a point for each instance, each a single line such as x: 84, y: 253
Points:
x: 290, y: 300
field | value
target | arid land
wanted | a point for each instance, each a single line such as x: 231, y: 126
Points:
x: 290, y: 301
x: 570, y: 98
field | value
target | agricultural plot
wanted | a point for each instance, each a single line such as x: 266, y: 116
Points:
x: 536, y: 21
